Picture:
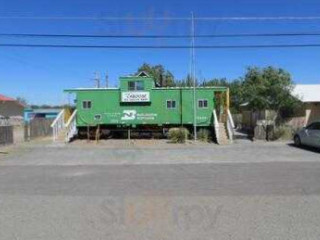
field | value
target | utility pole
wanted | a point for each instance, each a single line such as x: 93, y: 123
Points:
x: 107, y: 80
x: 97, y: 79
x: 193, y: 76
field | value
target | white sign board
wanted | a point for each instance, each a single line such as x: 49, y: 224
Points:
x: 135, y: 96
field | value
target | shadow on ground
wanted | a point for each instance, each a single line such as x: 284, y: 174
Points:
x: 307, y: 148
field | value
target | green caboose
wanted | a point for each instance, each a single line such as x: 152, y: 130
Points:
x: 140, y: 103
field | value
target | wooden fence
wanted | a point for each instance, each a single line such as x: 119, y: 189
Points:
x: 6, y: 135
x: 38, y: 127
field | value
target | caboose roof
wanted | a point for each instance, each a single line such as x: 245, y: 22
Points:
x: 156, y: 88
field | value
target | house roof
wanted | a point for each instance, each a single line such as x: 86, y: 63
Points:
x: 6, y: 99
x: 307, y: 92
x: 155, y: 88
x: 9, y: 99
x: 44, y: 110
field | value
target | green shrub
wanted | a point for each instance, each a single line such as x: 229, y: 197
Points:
x: 204, y: 135
x: 283, y: 133
x: 178, y: 135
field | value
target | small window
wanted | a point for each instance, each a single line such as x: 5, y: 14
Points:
x: 317, y: 126
x: 203, y: 103
x: 309, y: 127
x: 139, y: 85
x: 131, y: 86
x: 135, y: 85
x: 86, y: 104
x: 314, y: 126
x: 171, y: 104
x: 97, y: 117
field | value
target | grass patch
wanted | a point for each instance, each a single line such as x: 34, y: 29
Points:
x: 204, y: 135
x: 178, y: 135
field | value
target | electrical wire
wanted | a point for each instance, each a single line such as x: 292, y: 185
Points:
x: 160, y: 47
x: 35, y: 35
x: 279, y: 18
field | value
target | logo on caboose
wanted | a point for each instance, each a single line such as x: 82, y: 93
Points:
x: 129, y: 115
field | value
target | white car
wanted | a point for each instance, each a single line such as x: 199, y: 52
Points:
x: 309, y: 135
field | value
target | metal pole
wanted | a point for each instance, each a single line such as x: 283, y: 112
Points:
x: 97, y: 79
x: 129, y: 134
x: 193, y: 67
x: 107, y: 80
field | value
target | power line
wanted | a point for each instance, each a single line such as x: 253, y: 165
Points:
x: 94, y: 18
x: 280, y: 18
x: 35, y: 35
x: 162, y: 47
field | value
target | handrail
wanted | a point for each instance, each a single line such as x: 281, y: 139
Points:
x: 71, y: 118
x: 57, y: 118
x: 230, y: 119
x: 230, y: 130
x: 216, y: 124
x: 57, y: 125
x: 71, y: 127
x: 230, y: 125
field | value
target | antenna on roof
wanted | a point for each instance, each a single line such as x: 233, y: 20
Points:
x: 97, y: 79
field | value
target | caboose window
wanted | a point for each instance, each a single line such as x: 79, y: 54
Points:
x: 131, y: 86
x: 135, y: 85
x: 171, y: 104
x: 203, y: 103
x: 86, y: 104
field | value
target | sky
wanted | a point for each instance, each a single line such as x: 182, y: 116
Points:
x: 41, y: 75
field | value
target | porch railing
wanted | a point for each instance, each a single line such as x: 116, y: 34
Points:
x: 216, y: 124
x: 71, y: 127
x: 230, y: 125
x: 58, y: 125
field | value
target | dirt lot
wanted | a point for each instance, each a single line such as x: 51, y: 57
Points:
x: 44, y: 152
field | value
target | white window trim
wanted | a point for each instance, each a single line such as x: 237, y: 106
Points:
x: 203, y: 102
x: 171, y: 100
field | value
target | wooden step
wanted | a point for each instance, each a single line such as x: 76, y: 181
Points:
x: 61, y: 136
x: 223, y: 137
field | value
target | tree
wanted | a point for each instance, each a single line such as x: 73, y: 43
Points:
x: 22, y: 101
x: 158, y: 71
x: 236, y: 95
x: 269, y: 88
x: 262, y: 88
x: 187, y: 82
x: 215, y: 82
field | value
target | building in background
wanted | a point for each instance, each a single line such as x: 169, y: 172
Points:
x: 10, y: 108
x: 309, y: 94
x: 45, y: 113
